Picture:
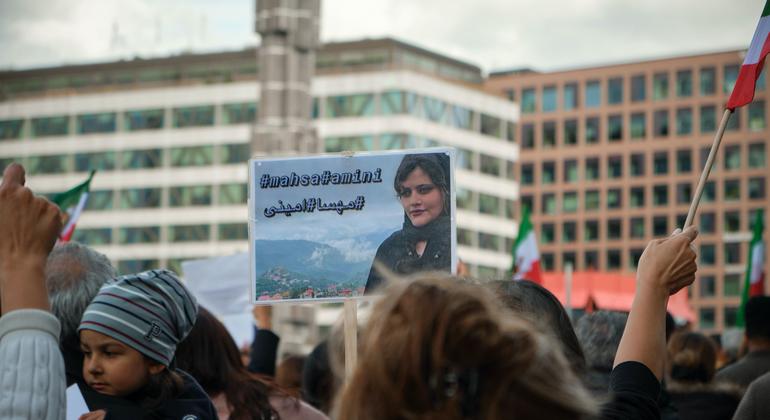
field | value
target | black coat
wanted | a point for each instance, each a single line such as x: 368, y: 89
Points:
x: 398, y: 254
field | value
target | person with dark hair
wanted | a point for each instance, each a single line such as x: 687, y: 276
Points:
x: 288, y: 374
x: 424, y: 242
x: 540, y: 307
x: 318, y: 380
x: 757, y: 361
x: 691, y: 364
x: 599, y: 334
x: 210, y: 355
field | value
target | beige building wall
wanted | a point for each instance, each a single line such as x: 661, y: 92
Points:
x: 555, y: 163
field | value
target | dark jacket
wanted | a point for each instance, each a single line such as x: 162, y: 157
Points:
x: 711, y: 401
x: 262, y: 355
x: 747, y: 369
x: 397, y: 253
x: 634, y: 392
x: 755, y: 404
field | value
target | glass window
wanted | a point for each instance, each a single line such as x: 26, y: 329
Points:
x: 568, y: 258
x: 660, y: 195
x: 638, y: 88
x: 660, y: 86
x: 684, y: 83
x: 756, y: 188
x: 510, y: 131
x: 142, y: 159
x: 93, y: 237
x: 355, y: 143
x: 732, y: 189
x: 592, y: 130
x: 195, y: 195
x: 660, y: 121
x: 757, y: 156
x: 235, y: 193
x: 11, y: 129
x: 636, y: 161
x: 240, y: 113
x: 569, y: 232
x: 637, y: 227
x: 189, y: 233
x: 464, y: 236
x: 614, y: 198
x: 709, y: 192
x: 732, y: 285
x: 491, y: 126
x: 708, y: 119
x: 615, y: 166
x: 615, y: 90
x: 465, y: 198
x: 546, y: 259
x: 637, y: 197
x: 392, y: 102
x: 592, y: 169
x: 489, y: 241
x: 528, y: 101
x: 757, y: 116
x: 139, y: 235
x: 549, y: 172
x: 734, y: 123
x: 240, y: 232
x: 732, y: 221
x: 660, y: 163
x: 51, y: 164
x: 570, y: 132
x: 683, y: 193
x: 359, y: 105
x: 660, y: 226
x: 570, y: 202
x: 707, y: 223
x: 591, y: 260
x: 593, y: 94
x: 435, y: 110
x: 99, y: 200
x: 549, y: 134
x: 527, y: 136
x: 730, y: 316
x: 613, y: 259
x: 489, y: 204
x: 144, y: 119
x: 549, y: 203
x: 50, y: 126
x: 140, y: 198
x: 192, y: 156
x: 683, y: 121
x: 706, y: 318
x: 707, y: 81
x: 549, y: 98
x: 100, y: 161
x: 633, y: 258
x: 614, y: 229
x: 638, y: 125
x: 707, y: 287
x: 592, y: 200
x: 234, y: 153
x: 733, y: 157
x: 571, y: 171
x: 591, y: 230
x: 684, y: 161
x: 547, y: 233
x: 461, y: 117
x: 730, y: 76
x: 615, y: 127
x: 490, y: 165
x: 570, y: 96
x: 733, y: 253
x: 193, y: 116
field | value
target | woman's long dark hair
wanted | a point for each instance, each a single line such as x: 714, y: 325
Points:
x: 435, y: 165
x: 210, y: 355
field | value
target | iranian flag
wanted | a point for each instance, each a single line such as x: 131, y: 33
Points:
x: 72, y: 203
x: 754, y: 284
x: 526, y: 257
x: 743, y: 92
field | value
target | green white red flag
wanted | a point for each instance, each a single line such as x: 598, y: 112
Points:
x: 526, y: 257
x: 743, y: 92
x: 754, y: 283
x: 72, y: 203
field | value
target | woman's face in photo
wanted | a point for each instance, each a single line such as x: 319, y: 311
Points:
x: 422, y: 200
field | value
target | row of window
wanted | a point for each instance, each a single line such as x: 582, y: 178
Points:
x: 637, y: 164
x: 635, y: 126
x: 684, y: 86
x: 175, y: 196
x: 391, y: 102
x: 152, y: 234
x: 660, y: 196
x: 707, y: 317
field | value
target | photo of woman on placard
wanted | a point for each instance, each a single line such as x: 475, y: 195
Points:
x: 424, y: 242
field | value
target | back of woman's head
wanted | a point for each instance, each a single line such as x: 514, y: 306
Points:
x: 210, y: 355
x: 540, y: 307
x: 692, y: 357
x: 436, y: 348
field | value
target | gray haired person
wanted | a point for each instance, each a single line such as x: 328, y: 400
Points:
x: 599, y: 334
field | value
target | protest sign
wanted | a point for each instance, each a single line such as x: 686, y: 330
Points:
x: 316, y: 223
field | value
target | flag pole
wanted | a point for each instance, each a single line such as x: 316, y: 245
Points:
x: 707, y: 168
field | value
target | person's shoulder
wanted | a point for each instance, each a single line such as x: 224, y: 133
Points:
x: 293, y: 409
x: 192, y: 404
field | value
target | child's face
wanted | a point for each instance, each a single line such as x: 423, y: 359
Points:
x: 113, y: 368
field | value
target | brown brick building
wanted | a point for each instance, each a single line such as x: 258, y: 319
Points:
x: 611, y: 155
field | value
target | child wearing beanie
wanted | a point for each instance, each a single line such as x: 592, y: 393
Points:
x: 128, y: 335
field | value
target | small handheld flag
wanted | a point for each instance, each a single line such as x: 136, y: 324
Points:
x: 72, y: 203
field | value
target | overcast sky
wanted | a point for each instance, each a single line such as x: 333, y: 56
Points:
x: 494, y: 34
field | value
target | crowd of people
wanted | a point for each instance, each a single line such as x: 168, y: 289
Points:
x: 435, y: 346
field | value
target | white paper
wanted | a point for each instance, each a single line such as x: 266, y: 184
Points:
x: 76, y: 405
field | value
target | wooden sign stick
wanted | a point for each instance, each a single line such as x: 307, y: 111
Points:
x: 351, y: 336
x: 707, y: 169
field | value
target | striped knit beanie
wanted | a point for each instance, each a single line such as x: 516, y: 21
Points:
x: 150, y: 312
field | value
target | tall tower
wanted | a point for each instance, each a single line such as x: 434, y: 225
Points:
x: 286, y: 59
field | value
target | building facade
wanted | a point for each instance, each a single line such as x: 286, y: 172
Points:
x: 611, y: 155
